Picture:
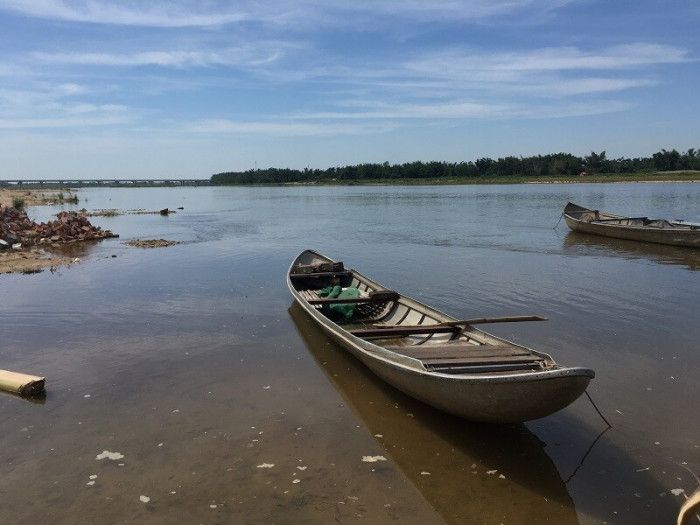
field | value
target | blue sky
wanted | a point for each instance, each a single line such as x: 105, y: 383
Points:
x: 93, y: 88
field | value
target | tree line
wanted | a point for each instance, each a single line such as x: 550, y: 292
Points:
x: 555, y: 164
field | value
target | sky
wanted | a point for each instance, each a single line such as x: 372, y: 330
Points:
x: 185, y: 88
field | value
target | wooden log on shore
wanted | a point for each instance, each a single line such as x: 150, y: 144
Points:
x: 22, y: 384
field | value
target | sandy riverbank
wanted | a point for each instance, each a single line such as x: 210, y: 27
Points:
x: 37, y: 197
x: 31, y: 261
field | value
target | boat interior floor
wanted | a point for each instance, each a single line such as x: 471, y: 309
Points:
x: 452, y: 353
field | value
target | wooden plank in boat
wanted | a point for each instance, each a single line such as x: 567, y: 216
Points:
x: 478, y: 360
x: 486, y: 369
x: 319, y: 274
x: 456, y: 350
x: 401, y: 331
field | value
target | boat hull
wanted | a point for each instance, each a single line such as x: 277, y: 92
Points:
x: 496, y: 398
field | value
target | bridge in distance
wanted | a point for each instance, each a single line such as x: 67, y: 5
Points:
x: 107, y: 183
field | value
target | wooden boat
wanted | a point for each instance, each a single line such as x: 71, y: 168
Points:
x: 438, y: 359
x: 534, y: 487
x: 660, y: 231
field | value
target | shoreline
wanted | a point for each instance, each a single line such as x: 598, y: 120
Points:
x: 34, y: 197
x: 652, y: 178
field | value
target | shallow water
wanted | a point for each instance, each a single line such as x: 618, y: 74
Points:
x: 192, y: 363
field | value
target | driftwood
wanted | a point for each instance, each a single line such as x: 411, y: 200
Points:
x: 22, y: 384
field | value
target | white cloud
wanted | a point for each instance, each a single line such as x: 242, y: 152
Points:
x: 510, y: 66
x: 229, y: 57
x: 154, y: 14
x: 70, y: 89
x: 189, y: 13
x: 392, y: 118
x: 56, y: 106
x: 451, y: 110
x: 63, y: 122
x: 282, y: 127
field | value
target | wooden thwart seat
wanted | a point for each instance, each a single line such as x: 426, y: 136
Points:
x: 397, y: 331
x: 471, y: 358
x: 459, y: 351
x: 317, y: 275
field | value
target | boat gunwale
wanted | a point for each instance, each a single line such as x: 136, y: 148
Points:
x: 415, y: 366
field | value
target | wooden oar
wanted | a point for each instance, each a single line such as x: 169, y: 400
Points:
x: 488, y: 320
x: 450, y: 326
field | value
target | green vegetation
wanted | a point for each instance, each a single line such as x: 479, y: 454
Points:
x: 556, y: 167
x: 18, y: 202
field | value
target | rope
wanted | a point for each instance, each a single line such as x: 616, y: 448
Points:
x: 598, y: 410
x: 590, y: 448
x: 557, y: 224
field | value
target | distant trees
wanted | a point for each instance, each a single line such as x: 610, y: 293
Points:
x: 552, y: 165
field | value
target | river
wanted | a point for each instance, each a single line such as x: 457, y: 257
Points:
x: 221, y: 402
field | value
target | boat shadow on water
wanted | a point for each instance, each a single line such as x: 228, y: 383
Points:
x: 659, y: 253
x: 497, y: 473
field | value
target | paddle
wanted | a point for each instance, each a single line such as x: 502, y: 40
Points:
x: 487, y: 320
x: 449, y: 326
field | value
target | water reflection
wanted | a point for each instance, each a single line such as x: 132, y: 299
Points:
x: 660, y: 253
x: 38, y: 399
x: 74, y: 249
x: 499, y: 473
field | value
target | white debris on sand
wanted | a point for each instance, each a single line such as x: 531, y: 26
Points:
x: 501, y: 476
x: 90, y: 483
x: 266, y: 465
x: 677, y: 492
x: 144, y: 499
x: 491, y: 472
x: 373, y: 459
x: 425, y: 473
x: 296, y: 480
x: 106, y: 454
x: 93, y: 476
x: 301, y: 468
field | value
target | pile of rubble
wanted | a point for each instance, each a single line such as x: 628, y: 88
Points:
x: 70, y: 226
x: 152, y: 243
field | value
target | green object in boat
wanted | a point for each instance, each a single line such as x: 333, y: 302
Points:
x: 336, y: 292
